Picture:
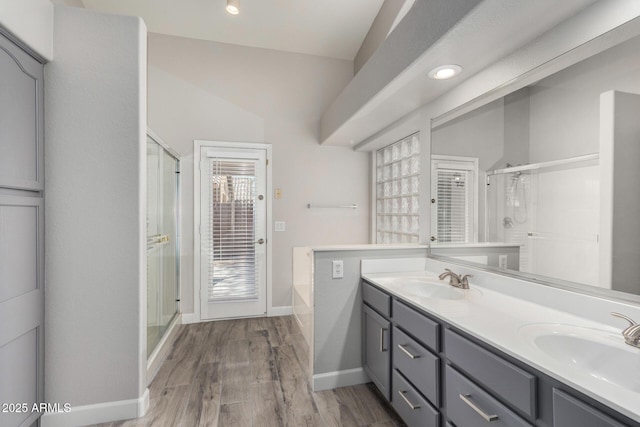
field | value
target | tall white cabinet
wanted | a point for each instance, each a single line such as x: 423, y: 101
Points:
x: 21, y: 235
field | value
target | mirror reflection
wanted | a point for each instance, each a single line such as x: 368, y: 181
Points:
x: 543, y: 181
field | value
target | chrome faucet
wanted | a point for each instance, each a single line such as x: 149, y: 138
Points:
x: 455, y: 280
x: 632, y: 333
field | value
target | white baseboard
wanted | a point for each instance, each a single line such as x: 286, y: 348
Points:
x: 190, y: 318
x: 286, y: 310
x: 337, y: 379
x: 98, y: 413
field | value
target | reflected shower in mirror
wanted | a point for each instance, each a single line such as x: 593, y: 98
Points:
x: 542, y: 183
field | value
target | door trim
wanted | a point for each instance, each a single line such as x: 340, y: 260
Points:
x: 197, y: 145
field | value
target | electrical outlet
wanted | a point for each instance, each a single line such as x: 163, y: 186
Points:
x: 338, y: 269
x: 279, y: 226
x: 502, y: 261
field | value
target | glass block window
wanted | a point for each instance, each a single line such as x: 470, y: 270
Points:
x: 397, y: 188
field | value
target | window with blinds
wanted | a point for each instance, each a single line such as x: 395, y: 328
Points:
x: 232, y: 262
x: 397, y: 191
x: 454, y: 214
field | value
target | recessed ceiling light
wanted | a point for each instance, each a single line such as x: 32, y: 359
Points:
x: 233, y: 7
x: 444, y: 72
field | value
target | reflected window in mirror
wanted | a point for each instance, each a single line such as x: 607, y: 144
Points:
x: 557, y: 176
x: 454, y: 211
x: 397, y: 193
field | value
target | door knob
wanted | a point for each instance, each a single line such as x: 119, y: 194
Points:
x: 260, y: 241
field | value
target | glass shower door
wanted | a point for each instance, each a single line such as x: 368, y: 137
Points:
x: 162, y: 242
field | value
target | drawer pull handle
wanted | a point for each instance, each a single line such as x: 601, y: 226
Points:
x: 382, y: 331
x: 488, y: 418
x: 404, y: 397
x: 407, y: 352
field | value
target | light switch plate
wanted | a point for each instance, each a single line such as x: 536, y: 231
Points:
x: 279, y: 226
x: 338, y: 269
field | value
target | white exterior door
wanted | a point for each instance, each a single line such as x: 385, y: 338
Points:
x: 233, y: 232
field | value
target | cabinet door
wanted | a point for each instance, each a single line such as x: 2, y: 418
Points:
x: 377, y: 362
x: 21, y: 124
x: 21, y: 308
x: 569, y: 411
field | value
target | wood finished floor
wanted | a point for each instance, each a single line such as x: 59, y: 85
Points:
x: 251, y: 372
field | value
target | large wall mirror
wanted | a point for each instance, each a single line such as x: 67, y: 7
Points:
x: 543, y: 183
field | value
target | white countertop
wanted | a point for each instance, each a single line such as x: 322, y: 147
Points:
x: 498, y: 319
x: 436, y: 245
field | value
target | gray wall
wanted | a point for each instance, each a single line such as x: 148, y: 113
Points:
x: 625, y: 235
x: 337, y: 317
x: 479, y: 133
x: 565, y: 107
x: 95, y: 287
x: 221, y: 92
x: 378, y: 31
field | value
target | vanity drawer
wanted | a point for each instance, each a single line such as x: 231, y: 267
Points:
x: 569, y: 412
x: 511, y: 383
x: 377, y: 299
x: 418, y: 364
x: 469, y: 406
x: 414, y: 409
x: 417, y: 324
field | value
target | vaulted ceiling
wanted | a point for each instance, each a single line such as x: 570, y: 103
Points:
x: 331, y: 28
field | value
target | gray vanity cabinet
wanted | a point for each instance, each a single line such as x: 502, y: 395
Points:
x: 440, y: 376
x: 469, y: 405
x: 416, y: 367
x: 21, y: 235
x: 377, y: 338
x: 514, y: 385
x: 569, y: 412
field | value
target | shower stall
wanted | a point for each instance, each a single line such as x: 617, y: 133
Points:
x: 163, y: 267
x: 551, y: 209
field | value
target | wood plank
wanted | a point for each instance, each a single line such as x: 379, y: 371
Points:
x: 257, y: 378
x: 203, y: 406
x: 167, y: 409
x: 298, y: 397
x: 334, y: 412
x: 364, y: 403
x: 235, y: 383
x: 287, y: 363
x: 262, y: 359
x: 236, y: 415
x: 268, y: 404
x: 236, y: 352
x: 238, y: 329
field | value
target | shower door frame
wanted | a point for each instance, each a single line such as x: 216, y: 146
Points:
x: 157, y: 354
x: 198, y: 145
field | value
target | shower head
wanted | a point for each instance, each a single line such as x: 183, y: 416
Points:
x: 516, y: 175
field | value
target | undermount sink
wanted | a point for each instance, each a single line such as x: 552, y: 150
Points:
x: 425, y: 286
x: 434, y: 288
x: 600, y: 354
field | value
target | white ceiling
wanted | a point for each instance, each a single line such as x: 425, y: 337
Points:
x: 331, y: 28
